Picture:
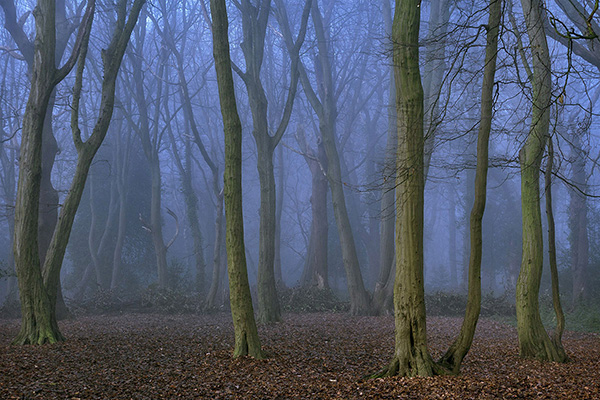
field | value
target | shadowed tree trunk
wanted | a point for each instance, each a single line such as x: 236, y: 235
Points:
x: 453, y: 357
x: 39, y: 286
x: 324, y: 105
x: 254, y: 25
x: 533, y: 338
x: 383, y: 292
x: 315, y: 272
x: 246, y: 334
x: 560, y: 316
x: 411, y: 356
x: 578, y: 222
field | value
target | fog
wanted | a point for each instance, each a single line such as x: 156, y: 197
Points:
x: 164, y: 151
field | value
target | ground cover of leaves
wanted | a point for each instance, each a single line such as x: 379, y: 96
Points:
x: 312, y: 356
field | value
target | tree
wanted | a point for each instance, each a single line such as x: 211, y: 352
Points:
x: 323, y: 101
x: 49, y: 199
x: 533, y: 339
x: 254, y: 26
x: 246, y: 333
x: 460, y: 347
x: 411, y: 356
x: 38, y: 280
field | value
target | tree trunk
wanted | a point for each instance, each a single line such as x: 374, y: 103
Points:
x: 452, y: 359
x: 533, y: 339
x: 246, y: 334
x: 160, y: 249
x: 411, y: 356
x: 39, y: 286
x: 278, y: 214
x: 560, y: 316
x: 578, y: 223
x: 217, y: 264
x: 268, y: 303
x: 315, y: 267
x: 38, y: 319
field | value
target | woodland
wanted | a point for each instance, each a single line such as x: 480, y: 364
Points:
x: 299, y: 199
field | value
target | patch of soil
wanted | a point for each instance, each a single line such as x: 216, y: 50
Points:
x: 312, y: 356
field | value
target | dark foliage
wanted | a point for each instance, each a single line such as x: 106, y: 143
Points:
x: 310, y: 300
x: 453, y: 305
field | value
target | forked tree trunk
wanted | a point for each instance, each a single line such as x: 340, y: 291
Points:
x: 246, y: 334
x: 533, y: 339
x: 39, y: 291
x: 460, y: 347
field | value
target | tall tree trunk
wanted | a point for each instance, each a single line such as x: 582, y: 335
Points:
x: 533, y: 339
x: 560, y: 316
x: 578, y: 223
x: 38, y: 317
x: 411, y: 356
x: 315, y: 272
x: 453, y: 357
x: 382, y: 298
x: 278, y: 214
x: 246, y: 334
x: 39, y: 286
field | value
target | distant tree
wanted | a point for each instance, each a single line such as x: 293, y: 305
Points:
x: 38, y: 279
x: 246, y: 334
x: 322, y: 97
x: 254, y: 27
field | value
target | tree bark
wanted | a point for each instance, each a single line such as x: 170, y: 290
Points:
x: 453, y: 357
x: 533, y: 340
x: 560, y: 316
x: 315, y: 272
x: 245, y: 331
x: 411, y: 356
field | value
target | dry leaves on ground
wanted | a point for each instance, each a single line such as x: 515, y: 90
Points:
x: 312, y: 356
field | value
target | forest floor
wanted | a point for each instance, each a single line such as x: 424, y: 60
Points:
x: 312, y: 356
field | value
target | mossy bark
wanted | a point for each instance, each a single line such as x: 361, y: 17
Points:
x: 246, y: 334
x: 533, y: 339
x: 39, y: 286
x: 452, y: 359
x: 411, y: 356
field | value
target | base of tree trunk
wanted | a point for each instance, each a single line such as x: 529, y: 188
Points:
x: 37, y: 334
x: 419, y: 363
x: 244, y: 347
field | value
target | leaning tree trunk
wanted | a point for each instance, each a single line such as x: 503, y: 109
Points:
x: 458, y: 350
x: 533, y: 338
x: 39, y: 291
x: 245, y: 331
x: 38, y: 315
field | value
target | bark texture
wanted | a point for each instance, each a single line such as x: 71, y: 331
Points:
x: 533, y: 339
x: 411, y: 356
x: 452, y: 359
x: 246, y: 334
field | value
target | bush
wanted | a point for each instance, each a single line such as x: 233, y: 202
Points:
x: 453, y: 305
x: 310, y: 300
x: 171, y: 300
